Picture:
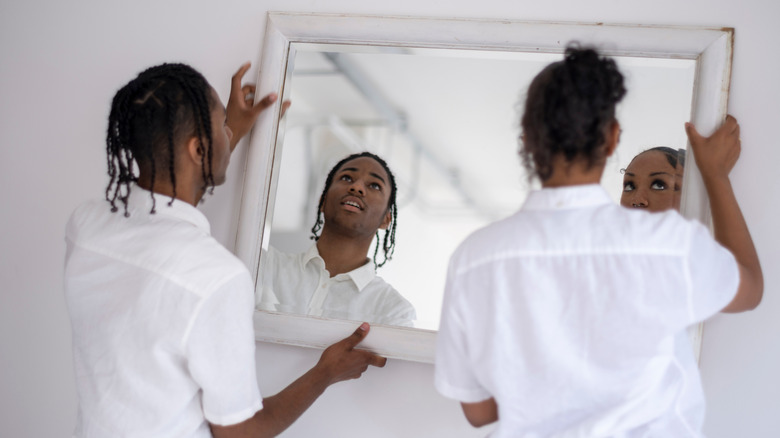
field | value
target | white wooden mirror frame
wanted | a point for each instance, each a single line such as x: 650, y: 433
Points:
x: 711, y: 49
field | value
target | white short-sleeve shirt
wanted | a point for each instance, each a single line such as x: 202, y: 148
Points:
x: 299, y: 283
x: 162, y: 322
x: 572, y: 313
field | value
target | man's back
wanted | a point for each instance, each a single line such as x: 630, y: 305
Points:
x: 161, y: 317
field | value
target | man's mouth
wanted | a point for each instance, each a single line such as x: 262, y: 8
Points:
x: 356, y: 205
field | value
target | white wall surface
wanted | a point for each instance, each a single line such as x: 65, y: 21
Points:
x: 60, y: 64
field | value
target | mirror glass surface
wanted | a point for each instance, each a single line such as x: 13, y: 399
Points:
x: 447, y: 123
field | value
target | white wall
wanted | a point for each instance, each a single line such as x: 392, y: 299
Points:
x: 61, y: 62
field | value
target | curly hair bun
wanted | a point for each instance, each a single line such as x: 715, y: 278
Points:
x: 568, y: 108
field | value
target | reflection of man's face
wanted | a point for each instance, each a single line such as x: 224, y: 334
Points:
x: 651, y: 182
x: 356, y: 202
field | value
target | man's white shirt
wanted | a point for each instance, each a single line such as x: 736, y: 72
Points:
x: 162, y: 322
x: 299, y: 283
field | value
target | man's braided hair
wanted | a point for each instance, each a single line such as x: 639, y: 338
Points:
x: 160, y: 108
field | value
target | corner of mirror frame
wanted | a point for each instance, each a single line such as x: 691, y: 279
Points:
x: 712, y: 48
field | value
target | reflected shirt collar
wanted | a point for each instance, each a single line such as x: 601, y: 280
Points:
x: 568, y: 197
x: 361, y: 276
x: 140, y: 202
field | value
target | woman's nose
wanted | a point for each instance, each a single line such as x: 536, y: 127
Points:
x: 639, y: 200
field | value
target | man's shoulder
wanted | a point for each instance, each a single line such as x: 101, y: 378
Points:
x: 174, y: 249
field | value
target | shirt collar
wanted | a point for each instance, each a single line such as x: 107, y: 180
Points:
x: 568, y: 197
x: 140, y: 202
x: 360, y: 276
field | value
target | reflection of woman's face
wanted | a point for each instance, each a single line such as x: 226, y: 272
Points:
x: 651, y: 182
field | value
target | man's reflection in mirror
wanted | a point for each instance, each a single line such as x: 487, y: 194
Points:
x: 653, y: 179
x: 335, y: 278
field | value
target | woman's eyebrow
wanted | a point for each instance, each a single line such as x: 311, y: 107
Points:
x: 661, y: 173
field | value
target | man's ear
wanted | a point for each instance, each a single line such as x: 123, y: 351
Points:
x: 386, y: 221
x: 194, y: 151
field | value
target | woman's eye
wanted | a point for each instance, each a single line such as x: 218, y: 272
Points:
x: 346, y: 178
x: 628, y: 186
x: 375, y: 186
x: 658, y: 185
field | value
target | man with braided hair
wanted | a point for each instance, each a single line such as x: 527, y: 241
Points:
x: 162, y: 313
x: 335, y: 278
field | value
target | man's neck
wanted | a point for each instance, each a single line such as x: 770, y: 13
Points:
x: 188, y: 193
x: 342, y: 253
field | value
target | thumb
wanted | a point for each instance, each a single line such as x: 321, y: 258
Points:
x: 355, y: 338
x: 693, y: 134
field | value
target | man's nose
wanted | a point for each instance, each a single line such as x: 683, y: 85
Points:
x: 357, y: 186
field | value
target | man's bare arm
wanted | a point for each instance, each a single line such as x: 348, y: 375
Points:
x: 341, y: 361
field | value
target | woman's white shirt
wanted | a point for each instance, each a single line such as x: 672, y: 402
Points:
x: 572, y: 315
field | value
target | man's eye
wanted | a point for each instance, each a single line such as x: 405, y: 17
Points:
x: 346, y: 178
x: 375, y: 186
x: 628, y: 186
x: 658, y: 185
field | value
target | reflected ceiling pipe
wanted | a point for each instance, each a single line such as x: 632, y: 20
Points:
x: 398, y: 120
x: 346, y: 135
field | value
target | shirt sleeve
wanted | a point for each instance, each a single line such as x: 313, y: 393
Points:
x: 454, y: 374
x: 220, y: 352
x: 713, y: 275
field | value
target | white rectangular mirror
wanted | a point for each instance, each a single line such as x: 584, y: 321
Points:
x: 438, y: 100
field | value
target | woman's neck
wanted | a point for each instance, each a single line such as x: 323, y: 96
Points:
x: 573, y: 173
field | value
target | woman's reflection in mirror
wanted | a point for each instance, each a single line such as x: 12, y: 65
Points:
x: 569, y: 318
x: 335, y: 278
x: 653, y: 179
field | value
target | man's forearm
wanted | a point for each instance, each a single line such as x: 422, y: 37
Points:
x: 281, y: 410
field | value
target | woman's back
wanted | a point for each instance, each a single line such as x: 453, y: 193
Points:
x: 568, y: 319
x: 572, y: 315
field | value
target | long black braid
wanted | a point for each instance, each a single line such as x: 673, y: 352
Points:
x: 388, y: 243
x: 164, y: 105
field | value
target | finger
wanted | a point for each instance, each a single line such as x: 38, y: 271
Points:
x: 377, y: 361
x: 372, y: 359
x: 285, y: 106
x: 247, y: 89
x: 693, y: 134
x: 731, y: 123
x: 239, y: 74
x: 235, y: 81
x: 357, y: 336
x: 264, y: 103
